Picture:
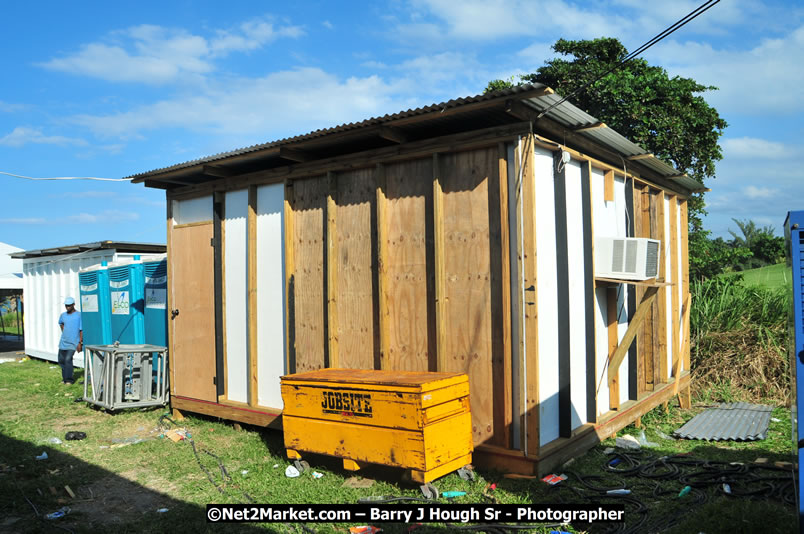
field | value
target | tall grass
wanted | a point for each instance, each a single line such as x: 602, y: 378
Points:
x: 739, y: 337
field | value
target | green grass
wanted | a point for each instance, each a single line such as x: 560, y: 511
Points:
x: 771, y: 277
x: 120, y: 487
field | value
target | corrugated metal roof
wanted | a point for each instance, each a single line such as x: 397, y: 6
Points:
x: 738, y: 421
x: 565, y: 114
x: 120, y: 246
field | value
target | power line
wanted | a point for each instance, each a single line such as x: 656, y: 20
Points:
x: 68, y: 178
x: 672, y: 28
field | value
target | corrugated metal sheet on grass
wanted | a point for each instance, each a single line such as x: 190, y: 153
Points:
x: 738, y: 421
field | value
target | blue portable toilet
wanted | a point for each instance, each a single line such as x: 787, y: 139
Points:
x: 95, y: 304
x: 127, y: 298
x: 794, y: 237
x: 155, y: 302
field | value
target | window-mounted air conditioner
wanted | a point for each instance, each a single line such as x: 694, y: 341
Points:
x: 626, y: 258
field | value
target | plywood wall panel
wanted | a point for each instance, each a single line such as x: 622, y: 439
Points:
x: 309, y: 295
x: 408, y: 266
x: 465, y: 179
x: 356, y: 199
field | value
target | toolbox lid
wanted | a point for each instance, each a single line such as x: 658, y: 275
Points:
x: 419, y: 380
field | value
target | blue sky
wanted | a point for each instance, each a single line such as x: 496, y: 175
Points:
x: 108, y: 90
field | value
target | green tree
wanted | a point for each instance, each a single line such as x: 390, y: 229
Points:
x: 666, y: 116
x: 766, y: 248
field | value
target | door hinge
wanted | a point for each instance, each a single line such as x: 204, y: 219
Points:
x: 214, y: 380
x: 211, y: 241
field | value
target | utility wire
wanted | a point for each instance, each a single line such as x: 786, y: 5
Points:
x: 68, y: 178
x: 678, y: 24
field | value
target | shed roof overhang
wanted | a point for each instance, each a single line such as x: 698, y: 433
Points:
x: 119, y: 246
x: 534, y: 103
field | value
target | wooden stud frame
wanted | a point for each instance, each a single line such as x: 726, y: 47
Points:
x: 332, y: 271
x: 382, y: 254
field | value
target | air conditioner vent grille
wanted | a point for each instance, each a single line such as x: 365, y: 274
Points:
x: 652, y: 260
x: 617, y: 255
x: 631, y: 256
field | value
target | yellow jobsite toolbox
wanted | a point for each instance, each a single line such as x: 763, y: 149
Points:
x: 414, y: 420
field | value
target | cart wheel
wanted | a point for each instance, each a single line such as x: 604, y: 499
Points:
x: 301, y: 466
x: 429, y: 491
x: 467, y: 472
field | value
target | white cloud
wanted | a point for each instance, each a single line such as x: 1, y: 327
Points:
x: 5, y: 107
x: 753, y: 192
x: 756, y: 80
x: 328, y: 25
x: 22, y: 135
x: 26, y: 220
x: 106, y: 217
x: 301, y: 99
x: 156, y: 55
x: 753, y: 148
x: 494, y: 19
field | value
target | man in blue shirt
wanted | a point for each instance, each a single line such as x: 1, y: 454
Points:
x: 72, y: 338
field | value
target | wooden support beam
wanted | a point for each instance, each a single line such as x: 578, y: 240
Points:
x: 591, y: 126
x: 616, y: 358
x: 531, y: 324
x: 290, y: 269
x: 505, y: 240
x: 382, y: 268
x: 685, y: 279
x: 608, y: 186
x: 217, y: 171
x: 637, y: 157
x: 332, y: 271
x: 393, y: 134
x: 676, y: 177
x: 677, y: 363
x: 251, y: 292
x: 613, y: 334
x: 657, y: 217
x: 440, y: 266
x: 294, y: 154
x: 520, y: 411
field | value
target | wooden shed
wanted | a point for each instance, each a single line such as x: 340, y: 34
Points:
x: 455, y: 237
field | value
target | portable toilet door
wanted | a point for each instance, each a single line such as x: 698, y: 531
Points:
x: 95, y: 306
x: 128, y: 303
x: 155, y: 302
x: 794, y: 236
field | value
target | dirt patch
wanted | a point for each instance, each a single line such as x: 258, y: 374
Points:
x: 119, y: 498
x: 73, y: 423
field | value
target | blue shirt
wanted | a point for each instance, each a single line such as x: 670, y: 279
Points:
x: 72, y: 328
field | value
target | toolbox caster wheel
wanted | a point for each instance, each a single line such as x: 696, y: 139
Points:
x: 301, y: 466
x: 467, y: 472
x: 429, y: 491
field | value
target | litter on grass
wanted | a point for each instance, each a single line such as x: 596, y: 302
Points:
x: 628, y: 442
x: 554, y: 479
x: 316, y: 474
x: 162, y: 511
x: 42, y: 456
x: 364, y: 529
x: 291, y: 472
x: 58, y: 514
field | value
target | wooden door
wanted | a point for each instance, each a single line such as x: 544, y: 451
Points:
x: 193, y: 293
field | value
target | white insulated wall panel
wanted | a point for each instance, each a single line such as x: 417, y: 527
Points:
x: 235, y: 270
x: 577, y: 293
x: 605, y: 225
x: 670, y: 277
x: 193, y: 210
x: 547, y: 294
x: 270, y: 294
